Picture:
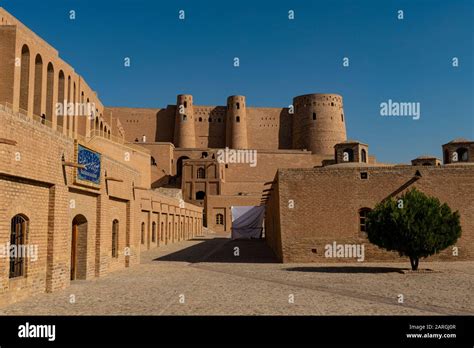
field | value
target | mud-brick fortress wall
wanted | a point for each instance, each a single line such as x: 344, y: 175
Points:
x: 298, y: 136
x: 35, y: 184
x: 319, y: 123
x: 35, y: 78
x: 316, y: 123
x: 301, y: 136
x: 163, y: 220
x: 327, y: 210
x: 234, y: 183
x: 32, y: 184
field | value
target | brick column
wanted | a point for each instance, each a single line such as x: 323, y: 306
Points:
x: 59, y: 240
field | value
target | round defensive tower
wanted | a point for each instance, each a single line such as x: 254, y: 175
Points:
x: 236, y: 123
x: 318, y: 123
x: 184, y: 127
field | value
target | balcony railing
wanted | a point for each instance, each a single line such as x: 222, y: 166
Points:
x: 21, y: 113
x: 98, y: 133
x: 24, y: 114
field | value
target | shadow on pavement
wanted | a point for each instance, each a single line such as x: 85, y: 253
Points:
x: 223, y: 250
x: 250, y: 251
x: 346, y: 269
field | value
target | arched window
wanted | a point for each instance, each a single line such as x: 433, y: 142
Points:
x: 61, y: 84
x: 143, y: 233
x: 219, y: 219
x: 89, y: 112
x: 238, y: 106
x: 348, y: 155
x: 462, y: 154
x: 185, y: 117
x: 153, y: 162
x: 363, y: 156
x: 74, y: 101
x: 342, y: 117
x: 314, y: 116
x: 200, y: 195
x: 24, y: 77
x: 49, y: 93
x: 153, y: 232
x: 363, y: 219
x: 66, y: 119
x: 18, y: 231
x: 237, y: 119
x: 200, y: 119
x: 115, y: 238
x: 78, y: 247
x: 201, y: 173
x: 38, y: 85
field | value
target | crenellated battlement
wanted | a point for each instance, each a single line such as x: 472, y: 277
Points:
x: 316, y: 124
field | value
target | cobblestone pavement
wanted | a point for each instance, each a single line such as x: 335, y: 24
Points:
x: 203, y: 276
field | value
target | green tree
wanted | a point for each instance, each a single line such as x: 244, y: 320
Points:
x: 414, y: 224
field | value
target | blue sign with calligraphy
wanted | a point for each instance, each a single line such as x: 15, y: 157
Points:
x: 91, y: 160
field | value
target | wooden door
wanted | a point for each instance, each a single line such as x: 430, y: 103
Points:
x: 74, y: 252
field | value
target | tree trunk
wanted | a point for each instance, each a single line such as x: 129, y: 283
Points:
x: 414, y: 263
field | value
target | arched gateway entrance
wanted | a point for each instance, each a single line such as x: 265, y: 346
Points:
x: 79, y: 248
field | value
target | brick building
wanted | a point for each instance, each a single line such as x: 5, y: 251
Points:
x: 332, y: 207
x: 188, y: 143
x: 70, y: 185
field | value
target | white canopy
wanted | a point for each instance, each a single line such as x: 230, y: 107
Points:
x: 247, y: 222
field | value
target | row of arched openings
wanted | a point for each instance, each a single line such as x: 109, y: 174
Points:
x: 19, y: 232
x: 154, y: 232
x: 66, y: 88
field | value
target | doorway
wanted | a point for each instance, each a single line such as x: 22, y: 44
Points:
x: 79, y: 248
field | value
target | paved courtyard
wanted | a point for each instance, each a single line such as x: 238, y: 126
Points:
x: 203, y: 277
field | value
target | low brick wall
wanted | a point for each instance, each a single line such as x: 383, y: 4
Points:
x: 311, y: 208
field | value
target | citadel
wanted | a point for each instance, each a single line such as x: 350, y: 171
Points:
x: 93, y: 192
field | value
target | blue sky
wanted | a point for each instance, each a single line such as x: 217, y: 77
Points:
x: 405, y: 60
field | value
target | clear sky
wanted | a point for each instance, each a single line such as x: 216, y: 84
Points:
x: 407, y: 60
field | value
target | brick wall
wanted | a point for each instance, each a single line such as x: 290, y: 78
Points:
x: 222, y: 204
x: 327, y: 209
x: 33, y: 182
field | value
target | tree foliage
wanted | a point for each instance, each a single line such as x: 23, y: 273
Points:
x: 414, y: 225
